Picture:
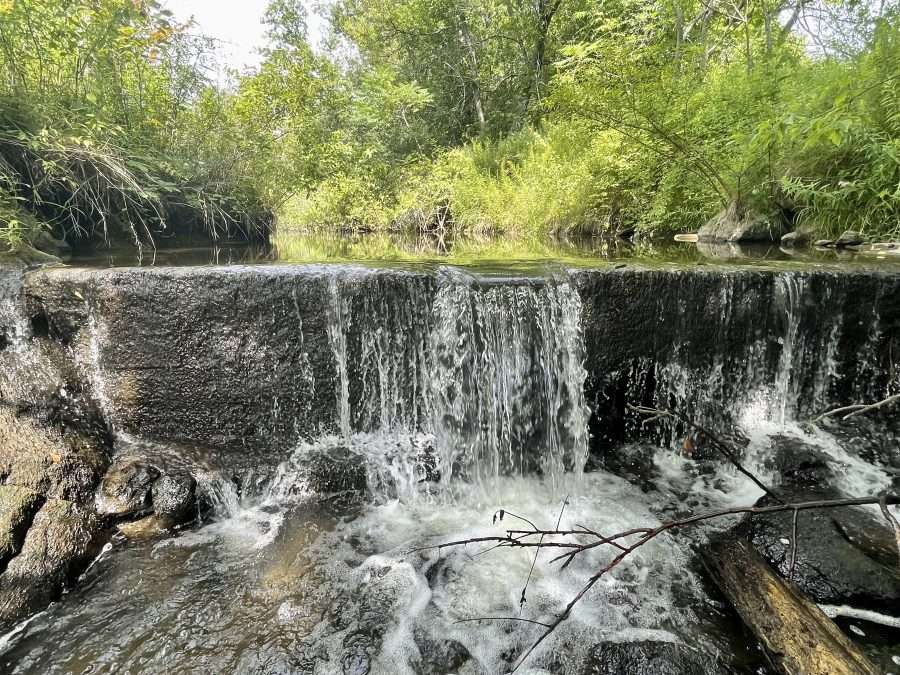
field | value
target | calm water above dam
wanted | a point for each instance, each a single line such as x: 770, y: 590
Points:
x: 490, y: 251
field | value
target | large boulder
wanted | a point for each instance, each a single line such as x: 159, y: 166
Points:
x: 17, y: 508
x: 843, y: 556
x: 733, y: 225
x: 63, y: 540
x: 830, y: 567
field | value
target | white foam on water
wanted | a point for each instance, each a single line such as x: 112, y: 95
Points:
x: 647, y: 597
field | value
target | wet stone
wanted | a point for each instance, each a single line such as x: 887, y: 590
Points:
x: 831, y: 568
x: 56, y: 464
x: 146, y: 528
x: 440, y: 656
x: 634, y: 463
x: 62, y: 541
x: 795, y: 239
x: 648, y: 658
x: 850, y: 238
x: 17, y: 508
x: 799, y: 465
x: 174, y: 496
x: 126, y: 487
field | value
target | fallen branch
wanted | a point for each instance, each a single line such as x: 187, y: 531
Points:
x: 797, y: 637
x: 720, y: 446
x: 856, y: 409
x: 625, y: 545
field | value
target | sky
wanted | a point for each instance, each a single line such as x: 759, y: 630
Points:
x: 236, y: 24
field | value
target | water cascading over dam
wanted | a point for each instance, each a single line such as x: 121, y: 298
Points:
x: 254, y: 359
x: 448, y: 394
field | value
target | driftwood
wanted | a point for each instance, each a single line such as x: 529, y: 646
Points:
x: 796, y: 635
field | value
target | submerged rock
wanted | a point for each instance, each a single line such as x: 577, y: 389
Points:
x: 648, y: 658
x: 62, y: 541
x: 335, y: 470
x: 125, y: 488
x: 633, y: 462
x: 174, y: 496
x: 146, y: 528
x: 440, y: 656
x: 17, y: 508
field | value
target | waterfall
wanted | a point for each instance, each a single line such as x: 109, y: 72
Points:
x: 488, y: 374
x: 789, y: 294
x: 508, y: 377
x: 338, y: 323
x: 14, y: 328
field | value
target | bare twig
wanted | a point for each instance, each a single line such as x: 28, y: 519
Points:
x: 522, y: 598
x: 793, y: 545
x: 644, y: 535
x: 848, y: 411
x: 717, y: 443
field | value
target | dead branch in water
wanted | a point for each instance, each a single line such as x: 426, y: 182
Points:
x: 654, y: 414
x: 628, y: 541
x: 571, y: 542
x: 848, y: 411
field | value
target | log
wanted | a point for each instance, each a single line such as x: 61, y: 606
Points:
x: 797, y: 637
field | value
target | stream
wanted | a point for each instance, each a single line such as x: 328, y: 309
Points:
x: 448, y: 395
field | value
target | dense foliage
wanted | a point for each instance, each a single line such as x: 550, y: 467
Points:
x: 108, y: 127
x: 533, y: 116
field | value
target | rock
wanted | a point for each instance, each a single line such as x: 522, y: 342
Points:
x: 730, y: 226
x: 648, y: 658
x: 50, y: 460
x: 29, y: 255
x: 634, y: 462
x: 849, y: 238
x: 830, y: 568
x: 795, y: 239
x: 17, y: 508
x: 63, y: 540
x: 146, y: 528
x: 45, y: 242
x: 440, y: 656
x: 174, y: 496
x: 799, y: 465
x: 125, y: 488
x: 330, y: 470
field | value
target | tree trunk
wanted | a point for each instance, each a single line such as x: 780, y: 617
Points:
x: 797, y: 637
